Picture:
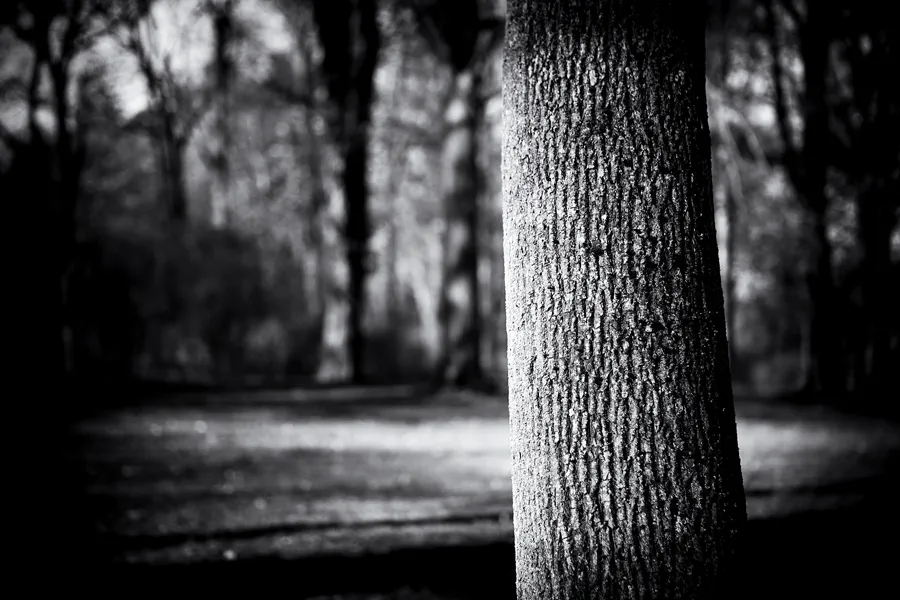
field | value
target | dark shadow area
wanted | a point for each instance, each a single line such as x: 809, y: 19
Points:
x: 839, y: 553
x: 115, y: 545
x: 310, y: 400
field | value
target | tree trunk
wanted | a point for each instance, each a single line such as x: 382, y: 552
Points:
x: 731, y: 194
x: 879, y: 294
x: 626, y: 473
x: 459, y: 308
x: 329, y: 279
x: 173, y: 148
x: 825, y: 375
x: 221, y: 185
x: 730, y: 279
x: 807, y: 167
x: 349, y: 33
x: 357, y: 244
x: 66, y: 175
x: 333, y: 279
x: 872, y: 159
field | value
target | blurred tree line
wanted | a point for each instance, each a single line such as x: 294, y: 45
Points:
x: 222, y: 190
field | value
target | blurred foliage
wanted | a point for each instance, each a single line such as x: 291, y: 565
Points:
x: 205, y: 300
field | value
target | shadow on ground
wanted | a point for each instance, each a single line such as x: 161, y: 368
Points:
x: 851, y: 552
x: 794, y: 462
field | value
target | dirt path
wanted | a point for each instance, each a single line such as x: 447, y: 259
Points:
x: 290, y: 475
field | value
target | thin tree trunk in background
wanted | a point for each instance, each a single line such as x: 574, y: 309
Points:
x: 334, y: 363
x: 356, y: 182
x: 41, y: 187
x: 395, y: 300
x: 873, y: 158
x: 730, y: 280
x: 172, y: 152
x: 626, y: 473
x: 880, y: 295
x: 826, y: 374
x: 398, y: 169
x: 807, y: 168
x: 329, y: 210
x: 730, y: 201
x: 460, y: 299
x: 314, y: 260
x: 221, y: 184
x: 351, y: 41
x: 66, y: 177
x: 357, y: 230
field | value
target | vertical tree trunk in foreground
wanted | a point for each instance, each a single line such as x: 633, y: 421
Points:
x: 626, y: 473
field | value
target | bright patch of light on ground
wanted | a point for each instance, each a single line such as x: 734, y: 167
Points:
x: 291, y: 480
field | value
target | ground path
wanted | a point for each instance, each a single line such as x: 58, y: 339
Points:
x: 231, y: 477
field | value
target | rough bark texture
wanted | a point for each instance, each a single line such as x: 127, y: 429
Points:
x: 460, y: 301
x: 626, y: 473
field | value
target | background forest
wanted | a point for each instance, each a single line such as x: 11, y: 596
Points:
x: 267, y: 191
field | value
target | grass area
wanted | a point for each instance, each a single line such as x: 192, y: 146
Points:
x: 396, y: 488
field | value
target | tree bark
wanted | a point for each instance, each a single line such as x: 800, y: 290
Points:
x: 460, y: 299
x: 626, y: 472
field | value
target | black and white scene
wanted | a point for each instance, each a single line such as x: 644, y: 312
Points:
x: 452, y: 299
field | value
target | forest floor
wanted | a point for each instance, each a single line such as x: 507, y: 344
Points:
x: 389, y: 493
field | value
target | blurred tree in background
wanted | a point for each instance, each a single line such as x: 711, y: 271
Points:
x: 235, y: 190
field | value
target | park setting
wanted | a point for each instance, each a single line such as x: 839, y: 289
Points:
x: 448, y: 299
